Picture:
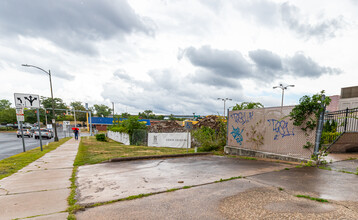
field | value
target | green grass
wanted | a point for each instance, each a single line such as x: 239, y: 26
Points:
x: 91, y: 151
x: 280, y: 188
x: 232, y: 178
x: 325, y: 168
x: 11, y: 165
x: 312, y: 198
x: 287, y: 168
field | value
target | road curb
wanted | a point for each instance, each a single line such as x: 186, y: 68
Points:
x: 157, y: 156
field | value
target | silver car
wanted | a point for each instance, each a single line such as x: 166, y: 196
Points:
x: 26, y: 132
x: 44, y: 134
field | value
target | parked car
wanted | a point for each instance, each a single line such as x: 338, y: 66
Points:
x: 44, y: 133
x: 27, y: 132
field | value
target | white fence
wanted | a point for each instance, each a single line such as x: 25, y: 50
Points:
x: 175, y: 140
x: 120, y: 137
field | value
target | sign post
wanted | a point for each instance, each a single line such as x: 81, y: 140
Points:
x: 38, y: 122
x: 188, y: 126
x: 20, y: 119
x: 27, y: 101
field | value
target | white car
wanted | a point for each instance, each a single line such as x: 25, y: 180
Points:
x: 44, y: 134
x: 26, y: 132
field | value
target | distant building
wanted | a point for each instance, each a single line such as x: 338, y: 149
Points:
x: 349, y: 98
x: 334, y: 105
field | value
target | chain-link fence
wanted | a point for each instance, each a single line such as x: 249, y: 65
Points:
x: 139, y: 137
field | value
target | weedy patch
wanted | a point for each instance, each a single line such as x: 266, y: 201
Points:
x: 312, y: 198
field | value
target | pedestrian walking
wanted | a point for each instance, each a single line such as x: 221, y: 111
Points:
x: 75, y: 131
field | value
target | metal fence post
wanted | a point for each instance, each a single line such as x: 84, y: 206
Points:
x: 227, y: 128
x: 319, y: 127
x: 345, y: 120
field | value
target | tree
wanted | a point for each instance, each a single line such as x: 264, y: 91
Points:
x: 59, y: 104
x: 8, y: 116
x: 248, y: 105
x: 102, y: 110
x: 148, y: 114
x: 80, y: 116
x: 4, y: 104
x: 125, y: 115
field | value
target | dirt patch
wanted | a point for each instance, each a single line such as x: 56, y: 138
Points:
x: 211, y: 121
x: 166, y: 127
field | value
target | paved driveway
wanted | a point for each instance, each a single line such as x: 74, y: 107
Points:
x: 111, y: 181
x: 268, y: 190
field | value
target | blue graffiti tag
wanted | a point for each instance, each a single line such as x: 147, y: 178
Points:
x: 242, y: 117
x: 237, y: 134
x: 280, y: 127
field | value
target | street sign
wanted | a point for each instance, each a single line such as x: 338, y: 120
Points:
x: 27, y: 100
x: 20, y: 114
x: 53, y: 121
x: 66, y: 124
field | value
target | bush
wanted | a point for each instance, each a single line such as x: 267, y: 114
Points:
x: 210, y: 139
x: 129, y: 126
x: 101, y: 137
x: 329, y: 137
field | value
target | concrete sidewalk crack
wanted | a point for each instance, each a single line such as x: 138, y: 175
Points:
x: 44, y: 190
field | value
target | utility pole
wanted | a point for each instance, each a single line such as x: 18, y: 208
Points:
x: 283, y: 91
x: 224, y: 99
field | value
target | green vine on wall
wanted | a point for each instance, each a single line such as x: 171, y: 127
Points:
x: 306, y: 113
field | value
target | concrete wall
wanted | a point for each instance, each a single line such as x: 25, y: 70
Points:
x: 268, y: 130
x: 348, y: 103
x: 119, y: 137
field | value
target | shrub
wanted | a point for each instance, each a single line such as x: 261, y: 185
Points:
x: 129, y: 126
x: 101, y: 137
x: 210, y: 139
x: 329, y: 137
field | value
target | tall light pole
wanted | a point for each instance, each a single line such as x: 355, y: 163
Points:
x: 224, y: 99
x: 281, y: 86
x: 53, y: 101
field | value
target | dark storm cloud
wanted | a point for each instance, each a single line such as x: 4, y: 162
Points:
x: 325, y: 29
x: 266, y: 59
x: 227, y: 63
x: 302, y: 66
x: 211, y: 79
x: 165, y: 92
x: 221, y: 68
x: 74, y: 25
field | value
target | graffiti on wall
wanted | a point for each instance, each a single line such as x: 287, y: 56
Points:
x: 242, y: 117
x: 237, y: 134
x: 281, y: 128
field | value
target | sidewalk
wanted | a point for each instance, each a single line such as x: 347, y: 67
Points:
x: 41, y: 188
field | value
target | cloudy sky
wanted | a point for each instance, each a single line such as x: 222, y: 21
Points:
x: 178, y: 56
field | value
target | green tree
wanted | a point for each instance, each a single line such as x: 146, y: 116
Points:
x: 102, y: 110
x: 80, y: 116
x: 59, y: 104
x: 125, y: 115
x: 8, y: 116
x: 248, y: 105
x: 4, y: 104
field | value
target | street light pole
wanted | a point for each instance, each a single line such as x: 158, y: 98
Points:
x: 281, y: 86
x: 224, y: 99
x: 53, y: 101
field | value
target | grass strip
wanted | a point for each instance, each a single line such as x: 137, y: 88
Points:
x: 232, y: 178
x: 11, y: 165
x: 92, y: 151
x: 312, y: 198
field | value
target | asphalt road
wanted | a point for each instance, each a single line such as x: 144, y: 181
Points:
x: 11, y: 145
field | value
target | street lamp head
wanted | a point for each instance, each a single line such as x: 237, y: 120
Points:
x: 24, y: 65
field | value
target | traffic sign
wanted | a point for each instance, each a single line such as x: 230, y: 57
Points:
x: 20, y: 114
x: 27, y: 100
